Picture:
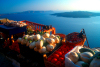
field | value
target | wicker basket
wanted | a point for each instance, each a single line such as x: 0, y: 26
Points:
x: 79, y: 43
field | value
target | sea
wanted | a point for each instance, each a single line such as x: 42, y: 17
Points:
x: 64, y: 25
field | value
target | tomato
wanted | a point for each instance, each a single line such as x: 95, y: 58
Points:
x: 58, y: 63
x: 56, y: 55
x: 59, y: 49
x: 64, y: 49
x: 66, y: 52
x: 63, y: 52
x: 63, y: 55
x: 59, y: 53
x: 54, y: 60
x: 64, y: 45
x: 61, y: 59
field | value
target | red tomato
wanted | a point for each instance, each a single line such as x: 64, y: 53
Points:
x: 56, y: 55
x: 59, y: 49
x: 59, y: 53
x: 63, y: 55
x: 63, y: 52
x: 66, y: 52
x: 58, y: 63
x: 54, y: 60
x: 61, y: 59
x: 64, y: 49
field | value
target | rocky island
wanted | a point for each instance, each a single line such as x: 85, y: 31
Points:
x: 77, y: 14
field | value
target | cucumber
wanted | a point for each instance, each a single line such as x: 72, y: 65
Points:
x: 86, y: 50
x: 97, y: 54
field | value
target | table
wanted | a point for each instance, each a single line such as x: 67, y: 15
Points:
x: 10, y: 30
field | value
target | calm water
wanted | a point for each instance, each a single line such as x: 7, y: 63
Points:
x: 65, y: 25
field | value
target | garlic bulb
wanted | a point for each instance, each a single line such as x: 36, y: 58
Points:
x: 51, y: 36
x: 32, y: 45
x: 28, y: 43
x: 42, y: 50
x: 30, y: 38
x: 50, y: 47
x: 50, y: 40
x: 37, y: 37
x: 46, y: 35
x: 56, y: 40
x: 42, y: 38
x: 39, y: 44
x: 25, y: 36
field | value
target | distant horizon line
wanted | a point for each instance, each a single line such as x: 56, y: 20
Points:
x: 50, y: 10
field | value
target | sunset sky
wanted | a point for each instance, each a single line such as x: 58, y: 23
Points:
x: 9, y: 6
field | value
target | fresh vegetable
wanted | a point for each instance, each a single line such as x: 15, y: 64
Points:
x: 58, y: 63
x: 95, y: 62
x: 56, y: 39
x: 42, y: 38
x: 56, y: 55
x: 46, y: 35
x: 61, y: 59
x: 50, y: 40
x: 54, y: 60
x: 51, y: 36
x: 86, y: 50
x: 32, y: 45
x: 37, y: 37
x: 59, y: 53
x: 73, y: 56
x: 82, y: 64
x: 19, y: 40
x: 42, y: 50
x: 50, y: 47
x: 53, y: 45
x: 39, y: 44
x: 97, y: 54
x: 24, y: 41
x: 85, y: 56
x: 28, y: 43
x: 30, y: 37
x: 25, y: 37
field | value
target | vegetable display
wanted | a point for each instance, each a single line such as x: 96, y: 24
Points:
x: 41, y: 43
x: 73, y: 56
x: 85, y: 58
x: 95, y: 62
x: 58, y: 57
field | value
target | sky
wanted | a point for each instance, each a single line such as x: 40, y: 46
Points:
x: 10, y: 6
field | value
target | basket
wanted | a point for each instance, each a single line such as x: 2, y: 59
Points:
x: 50, y: 64
x: 77, y: 41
